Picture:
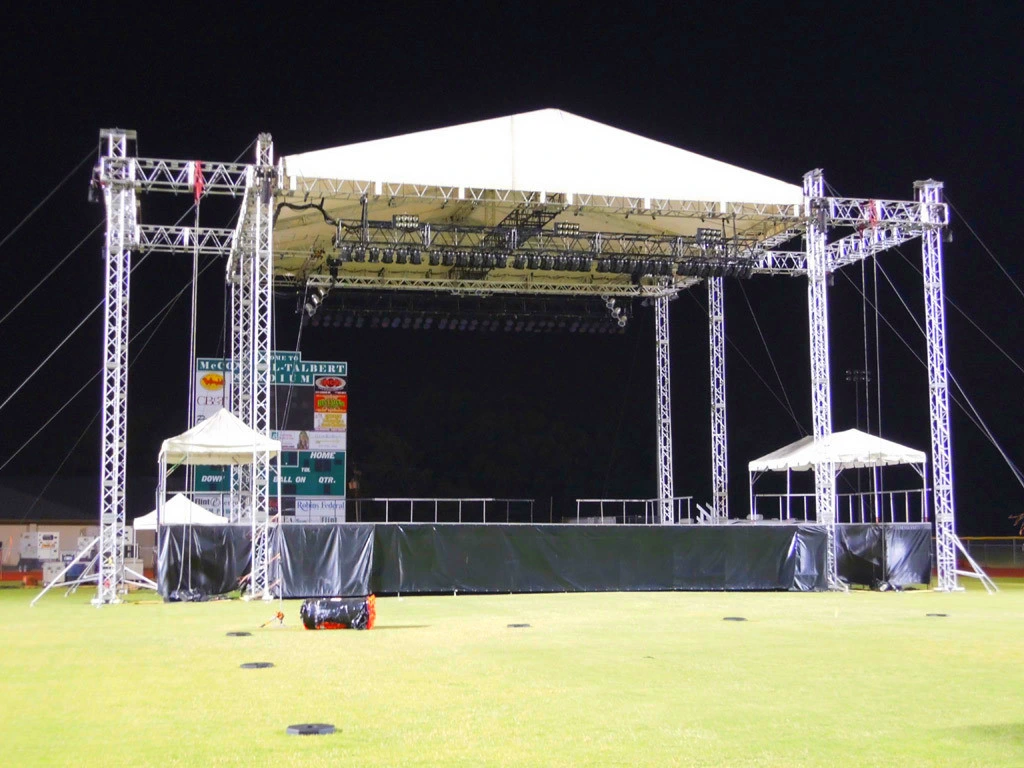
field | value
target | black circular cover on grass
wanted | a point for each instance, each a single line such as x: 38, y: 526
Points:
x: 942, y: 615
x: 310, y: 729
x: 239, y: 634
x: 733, y: 618
x: 516, y: 626
x: 257, y: 665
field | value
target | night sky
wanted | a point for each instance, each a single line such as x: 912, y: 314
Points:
x: 877, y: 96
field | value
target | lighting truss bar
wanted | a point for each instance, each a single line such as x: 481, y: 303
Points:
x: 511, y: 239
x: 526, y: 284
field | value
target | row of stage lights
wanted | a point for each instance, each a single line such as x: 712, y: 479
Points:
x: 624, y: 265
x: 591, y: 325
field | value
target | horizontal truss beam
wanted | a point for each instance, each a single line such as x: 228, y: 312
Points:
x: 160, y: 239
x: 445, y: 284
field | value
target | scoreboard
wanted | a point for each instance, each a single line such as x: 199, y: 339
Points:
x: 309, y: 405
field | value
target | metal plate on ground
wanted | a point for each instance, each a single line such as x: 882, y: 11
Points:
x: 517, y: 626
x: 733, y: 618
x: 239, y: 634
x: 937, y: 615
x: 310, y: 729
x: 257, y: 665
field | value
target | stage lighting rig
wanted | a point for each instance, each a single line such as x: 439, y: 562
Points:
x: 315, y: 300
x: 406, y: 221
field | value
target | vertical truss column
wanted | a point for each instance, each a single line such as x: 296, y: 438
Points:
x: 930, y: 193
x: 821, y: 388
x: 719, y: 444
x: 261, y: 330
x: 117, y: 178
x: 663, y: 364
x: 240, y: 278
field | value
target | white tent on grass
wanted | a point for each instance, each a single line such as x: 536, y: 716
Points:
x: 179, y: 510
x: 850, y: 449
x: 221, y: 439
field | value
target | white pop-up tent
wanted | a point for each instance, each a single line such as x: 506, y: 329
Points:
x: 179, y: 510
x: 850, y: 449
x: 221, y: 439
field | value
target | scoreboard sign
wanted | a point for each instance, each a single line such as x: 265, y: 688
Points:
x: 309, y: 410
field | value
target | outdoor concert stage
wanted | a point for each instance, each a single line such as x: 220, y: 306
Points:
x: 347, y: 559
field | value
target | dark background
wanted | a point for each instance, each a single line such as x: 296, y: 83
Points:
x: 877, y: 95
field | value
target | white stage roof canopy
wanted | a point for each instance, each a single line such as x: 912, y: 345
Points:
x: 221, y: 439
x: 849, y: 450
x: 548, y: 150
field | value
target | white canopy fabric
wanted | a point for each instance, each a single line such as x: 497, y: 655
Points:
x: 179, y: 510
x: 544, y: 151
x: 848, y: 450
x: 221, y: 439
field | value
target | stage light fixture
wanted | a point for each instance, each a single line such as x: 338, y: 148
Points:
x: 434, y: 258
x: 405, y: 221
x: 520, y: 261
x: 415, y: 257
x: 388, y: 256
x: 402, y: 256
x: 449, y: 258
x: 534, y: 261
x: 375, y: 255
x: 359, y: 254
x: 566, y: 228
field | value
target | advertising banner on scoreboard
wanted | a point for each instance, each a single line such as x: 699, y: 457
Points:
x: 308, y: 414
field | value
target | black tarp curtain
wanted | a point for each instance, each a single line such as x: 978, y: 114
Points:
x: 356, y: 559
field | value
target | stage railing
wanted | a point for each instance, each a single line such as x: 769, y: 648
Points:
x: 437, y: 510
x: 629, y: 511
x: 904, y: 506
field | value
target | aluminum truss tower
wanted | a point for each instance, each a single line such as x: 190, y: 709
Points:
x: 664, y: 415
x: 821, y: 387
x: 117, y: 180
x: 929, y: 194
x: 250, y: 273
x: 719, y: 444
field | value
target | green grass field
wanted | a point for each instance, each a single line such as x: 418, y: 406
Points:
x: 597, y: 679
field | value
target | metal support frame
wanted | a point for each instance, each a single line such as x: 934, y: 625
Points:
x: 719, y: 444
x: 664, y: 414
x: 117, y: 179
x: 929, y: 194
x: 250, y: 272
x: 821, y: 388
x: 879, y: 225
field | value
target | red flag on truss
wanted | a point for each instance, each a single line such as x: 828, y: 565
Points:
x: 197, y: 182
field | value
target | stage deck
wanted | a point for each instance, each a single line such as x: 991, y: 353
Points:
x: 348, y: 559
